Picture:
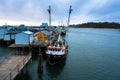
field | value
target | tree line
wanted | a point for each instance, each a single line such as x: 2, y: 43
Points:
x: 97, y: 25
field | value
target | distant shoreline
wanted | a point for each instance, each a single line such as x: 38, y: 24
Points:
x: 102, y: 25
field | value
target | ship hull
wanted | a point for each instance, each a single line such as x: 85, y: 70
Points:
x: 55, y: 59
x: 63, y: 33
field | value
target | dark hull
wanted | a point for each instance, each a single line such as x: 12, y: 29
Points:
x: 63, y: 33
x: 55, y: 59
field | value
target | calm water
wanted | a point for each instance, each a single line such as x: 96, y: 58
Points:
x: 4, y: 53
x: 94, y: 54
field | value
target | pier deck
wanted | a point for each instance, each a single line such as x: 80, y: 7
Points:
x: 39, y: 44
x: 11, y: 66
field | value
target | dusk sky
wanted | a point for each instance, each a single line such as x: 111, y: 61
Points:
x: 34, y: 12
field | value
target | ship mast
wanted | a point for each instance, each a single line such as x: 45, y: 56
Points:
x: 49, y: 11
x: 70, y: 10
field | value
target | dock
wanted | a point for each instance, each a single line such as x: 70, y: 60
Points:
x: 12, y: 65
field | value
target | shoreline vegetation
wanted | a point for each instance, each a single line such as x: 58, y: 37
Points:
x: 113, y: 25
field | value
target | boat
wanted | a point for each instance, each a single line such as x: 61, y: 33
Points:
x: 63, y: 30
x: 56, y: 51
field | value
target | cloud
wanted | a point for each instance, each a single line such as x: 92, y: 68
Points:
x: 15, y: 22
x: 92, y: 11
x: 35, y: 11
x: 92, y: 5
x: 112, y: 17
x: 21, y: 11
x: 82, y: 19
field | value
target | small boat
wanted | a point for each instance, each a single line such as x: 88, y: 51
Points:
x: 56, y: 51
x: 63, y: 31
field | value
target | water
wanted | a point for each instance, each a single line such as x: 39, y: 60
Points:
x: 4, y: 52
x: 94, y: 54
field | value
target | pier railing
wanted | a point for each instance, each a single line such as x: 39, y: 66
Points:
x: 11, y: 73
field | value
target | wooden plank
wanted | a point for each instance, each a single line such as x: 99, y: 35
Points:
x: 12, y: 65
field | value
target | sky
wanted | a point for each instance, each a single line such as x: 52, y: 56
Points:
x: 34, y: 12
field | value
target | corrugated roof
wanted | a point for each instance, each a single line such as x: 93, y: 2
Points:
x: 28, y: 32
x: 2, y: 30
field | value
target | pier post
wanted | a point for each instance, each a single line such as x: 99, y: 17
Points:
x: 27, y: 68
x: 0, y: 42
x: 10, y: 76
x: 40, y: 66
x: 22, y: 72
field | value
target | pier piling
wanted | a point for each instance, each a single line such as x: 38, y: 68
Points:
x: 40, y: 66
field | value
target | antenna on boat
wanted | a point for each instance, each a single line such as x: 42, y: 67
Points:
x: 62, y: 22
x: 49, y: 11
x: 70, y: 10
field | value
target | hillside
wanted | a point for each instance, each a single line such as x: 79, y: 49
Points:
x: 97, y: 25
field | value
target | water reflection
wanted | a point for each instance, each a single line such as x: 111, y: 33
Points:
x: 40, y: 76
x: 23, y: 76
x: 35, y: 56
x: 53, y: 71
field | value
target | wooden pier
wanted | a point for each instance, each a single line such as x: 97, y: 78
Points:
x: 12, y: 65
